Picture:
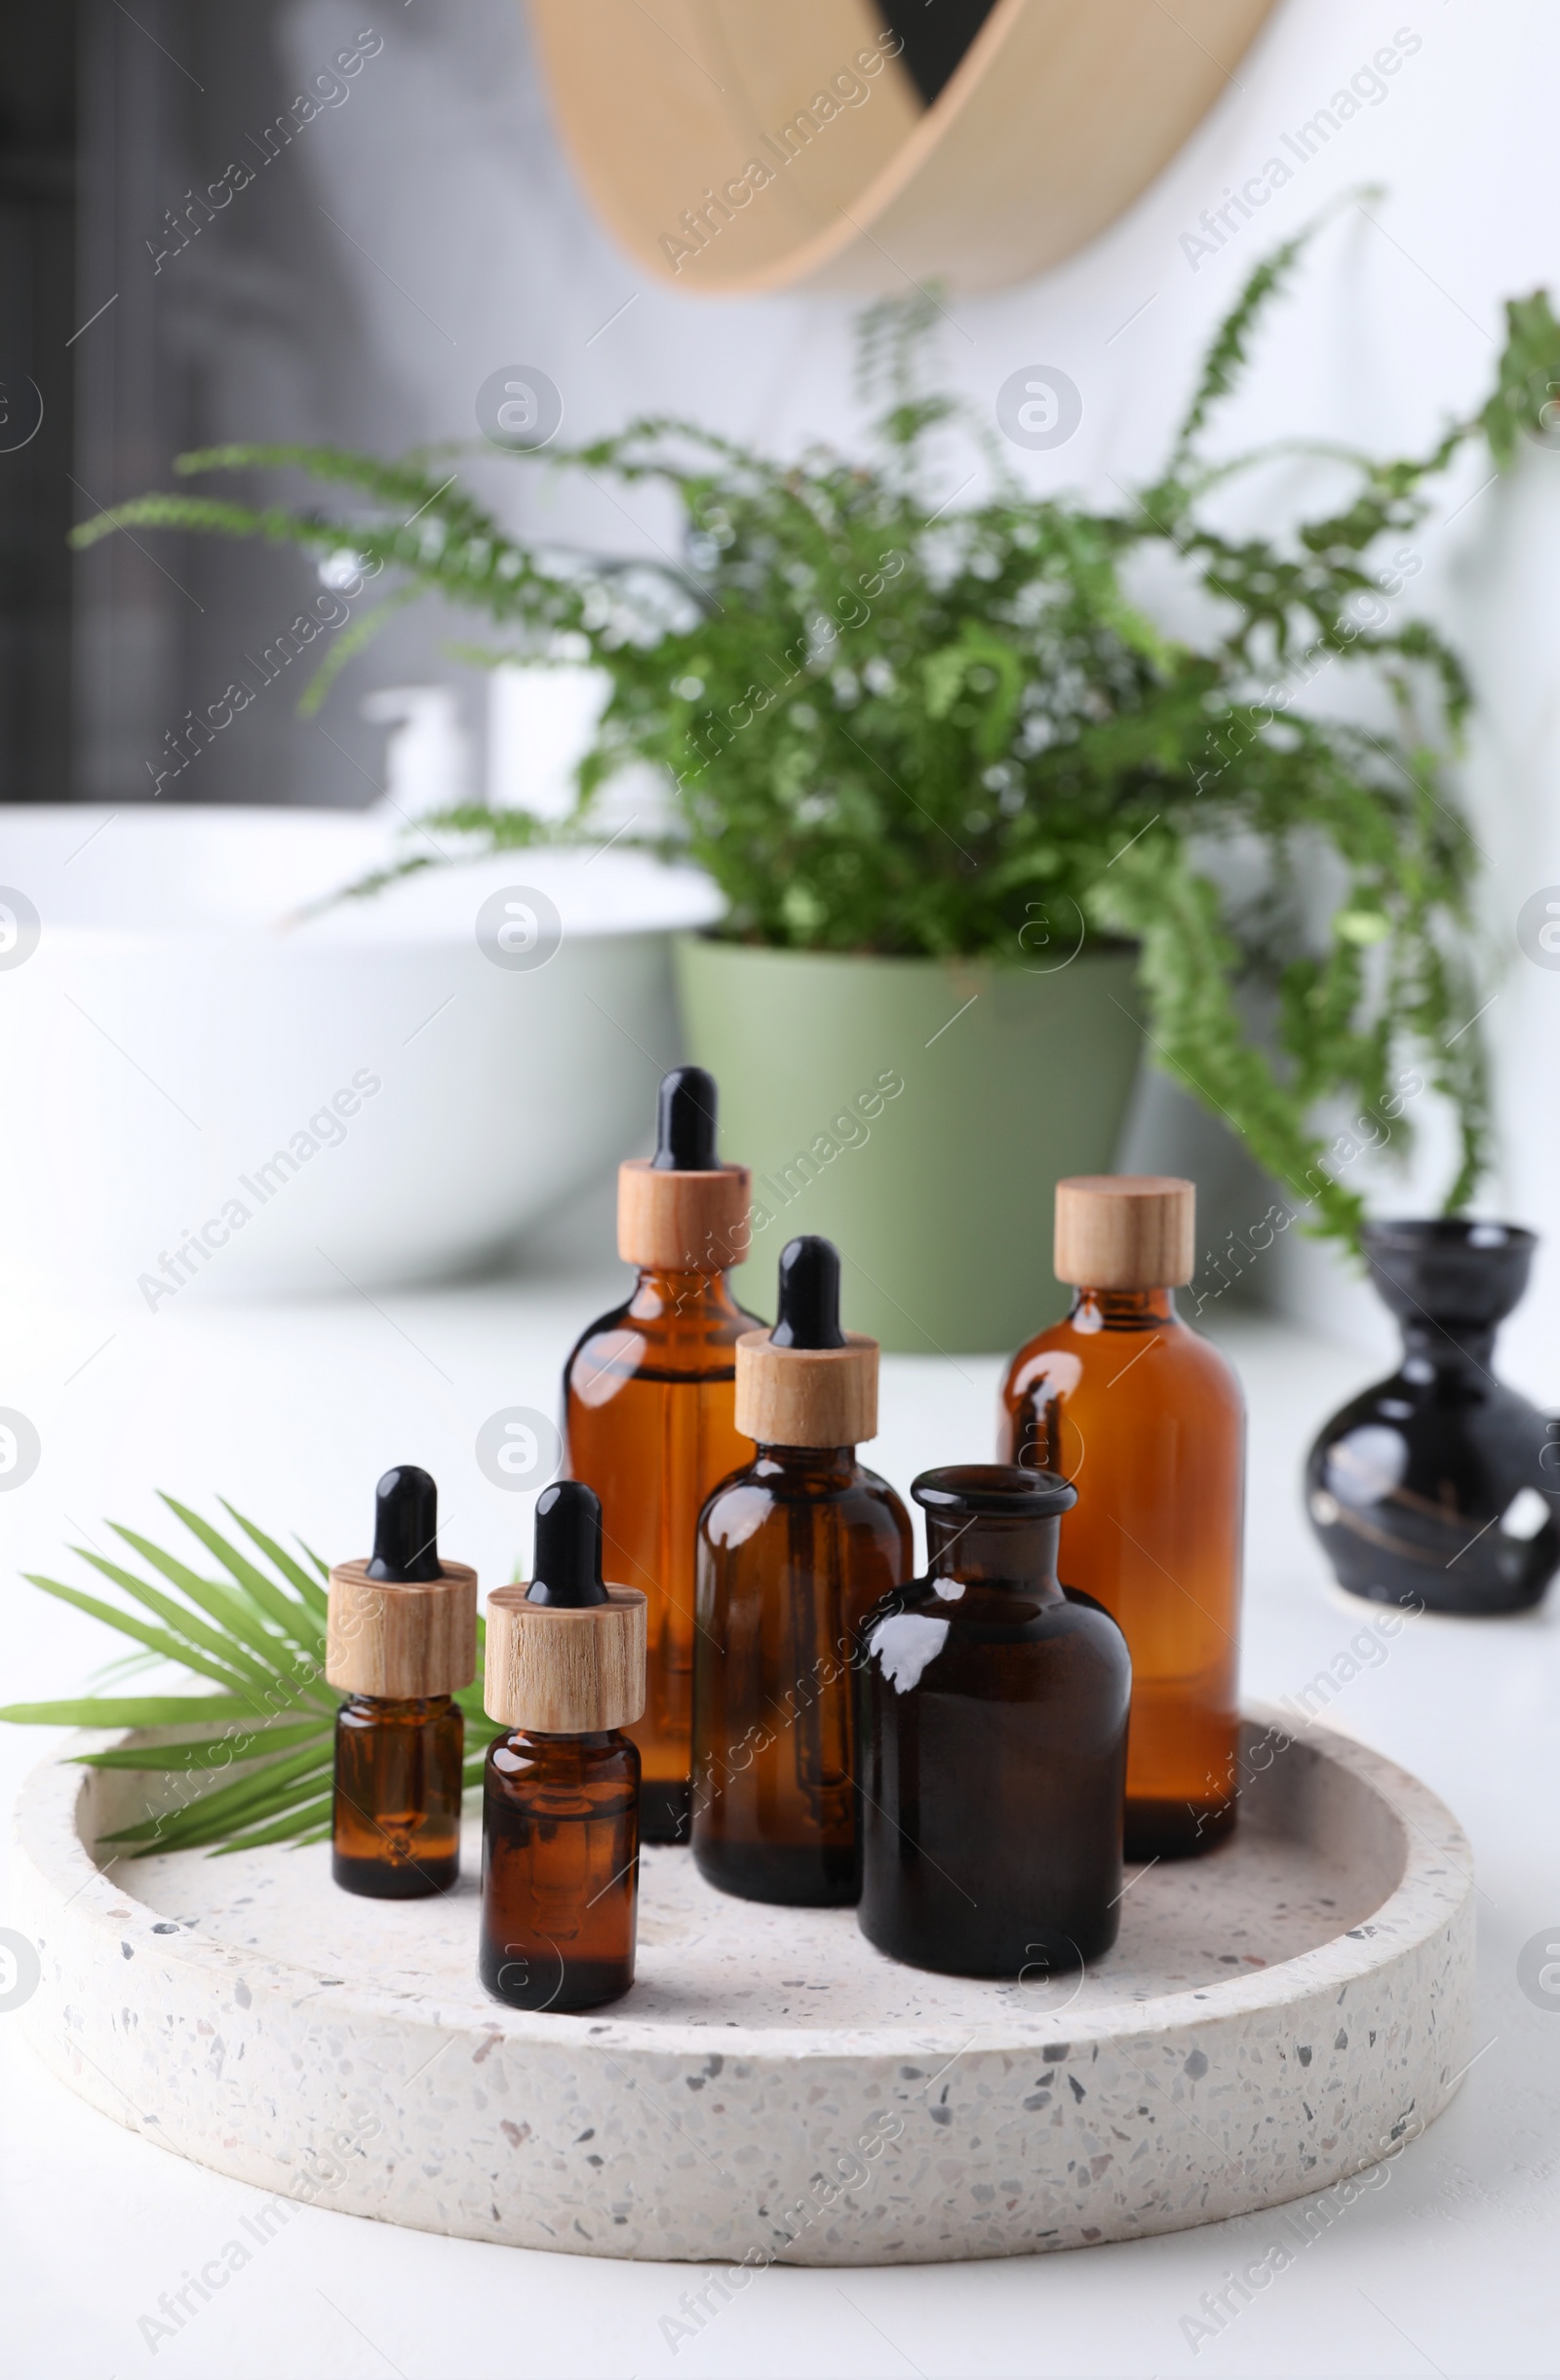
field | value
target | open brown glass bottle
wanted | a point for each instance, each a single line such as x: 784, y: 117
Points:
x: 993, y: 1742
x: 648, y: 1398
x: 1147, y: 1419
x: 565, y: 1674
x: 402, y: 1638
x: 792, y: 1551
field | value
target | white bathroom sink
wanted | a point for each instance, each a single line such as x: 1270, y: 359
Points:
x: 209, y: 1094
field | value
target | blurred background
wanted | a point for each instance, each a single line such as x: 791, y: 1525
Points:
x: 376, y: 266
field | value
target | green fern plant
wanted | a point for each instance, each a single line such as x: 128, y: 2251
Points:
x: 267, y: 1717
x: 898, y: 726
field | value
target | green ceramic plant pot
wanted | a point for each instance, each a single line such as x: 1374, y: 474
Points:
x: 918, y: 1113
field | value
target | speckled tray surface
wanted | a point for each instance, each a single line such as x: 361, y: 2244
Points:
x: 1276, y: 2015
x: 707, y: 1961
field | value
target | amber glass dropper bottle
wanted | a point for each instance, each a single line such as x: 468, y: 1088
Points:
x: 565, y: 1675
x: 649, y: 1398
x: 1147, y: 1421
x: 792, y: 1551
x: 401, y: 1640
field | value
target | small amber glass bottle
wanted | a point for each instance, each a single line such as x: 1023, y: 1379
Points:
x: 1147, y: 1419
x: 401, y: 1639
x: 792, y: 1551
x: 565, y: 1675
x: 993, y: 1742
x: 649, y: 1398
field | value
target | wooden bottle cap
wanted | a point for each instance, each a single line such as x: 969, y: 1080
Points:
x: 682, y: 1221
x: 684, y: 1211
x: 401, y: 1641
x: 806, y: 1396
x: 564, y: 1669
x: 1125, y: 1230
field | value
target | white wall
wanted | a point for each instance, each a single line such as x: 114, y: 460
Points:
x: 485, y: 253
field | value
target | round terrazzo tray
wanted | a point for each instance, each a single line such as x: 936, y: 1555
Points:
x: 1279, y: 2015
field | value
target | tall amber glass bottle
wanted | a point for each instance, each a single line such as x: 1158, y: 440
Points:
x: 565, y: 1675
x: 792, y: 1551
x: 648, y: 1400
x: 401, y: 1640
x: 1147, y: 1421
x: 994, y: 1743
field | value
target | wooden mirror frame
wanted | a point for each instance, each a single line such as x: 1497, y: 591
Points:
x: 739, y: 146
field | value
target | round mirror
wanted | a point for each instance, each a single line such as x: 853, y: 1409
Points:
x: 861, y: 144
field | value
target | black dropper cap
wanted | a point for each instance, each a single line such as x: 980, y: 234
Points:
x: 405, y: 1527
x: 568, y: 1547
x: 810, y: 1295
x: 686, y: 1123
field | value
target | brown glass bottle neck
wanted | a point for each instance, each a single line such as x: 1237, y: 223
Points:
x: 693, y: 1296
x: 995, y: 1549
x: 1122, y: 1309
x: 563, y: 1748
x: 812, y: 1463
x: 400, y: 1707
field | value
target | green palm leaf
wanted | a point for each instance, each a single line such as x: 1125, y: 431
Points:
x: 267, y: 1788
x: 309, y: 1589
x: 309, y: 1822
x: 209, y: 1751
x: 280, y: 1609
x: 132, y: 1710
x: 172, y: 1647
x: 258, y: 1634
x: 238, y: 1637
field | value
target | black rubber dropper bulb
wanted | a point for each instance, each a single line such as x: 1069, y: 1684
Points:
x: 686, y: 1123
x: 405, y: 1527
x: 810, y: 1295
x: 568, y: 1547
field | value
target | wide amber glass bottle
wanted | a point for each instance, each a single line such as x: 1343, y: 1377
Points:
x: 565, y: 1674
x: 401, y: 1639
x: 792, y: 1551
x: 648, y: 1398
x: 994, y: 1743
x: 1147, y: 1421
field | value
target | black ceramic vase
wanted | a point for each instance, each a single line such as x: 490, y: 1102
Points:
x: 1437, y: 1489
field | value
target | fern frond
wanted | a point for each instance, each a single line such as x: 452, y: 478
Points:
x: 1231, y: 348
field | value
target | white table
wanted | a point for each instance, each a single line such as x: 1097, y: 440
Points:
x: 1451, y: 2267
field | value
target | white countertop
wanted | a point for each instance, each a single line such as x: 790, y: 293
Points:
x: 293, y: 1413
